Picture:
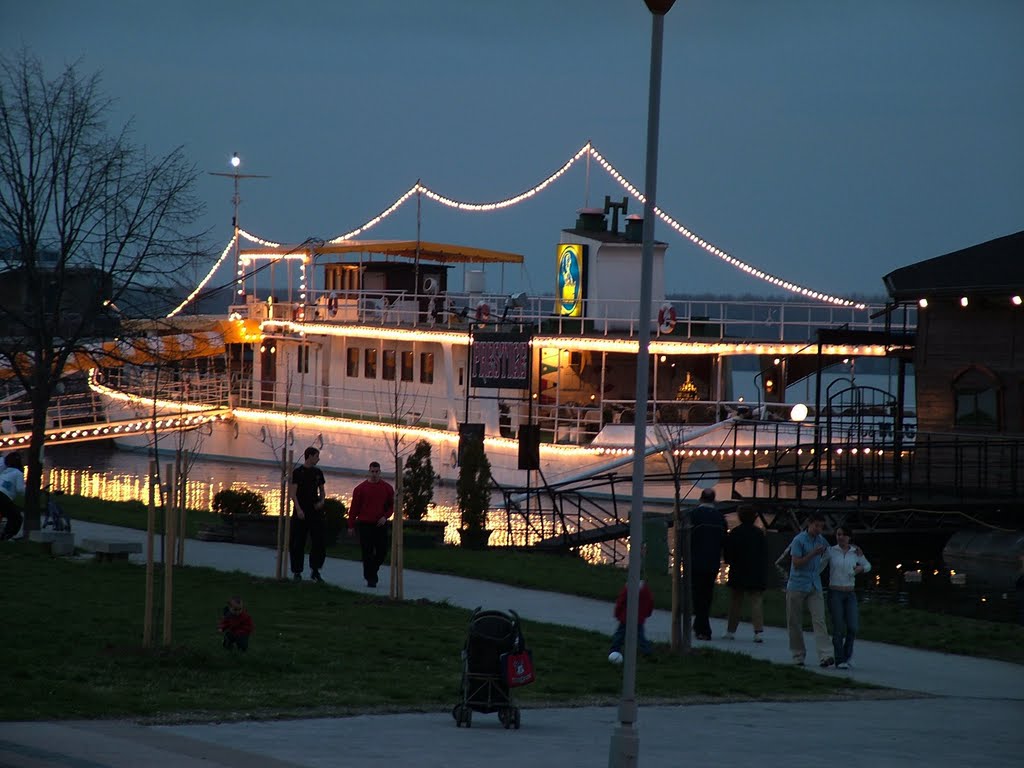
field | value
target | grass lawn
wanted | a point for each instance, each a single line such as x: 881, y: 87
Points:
x: 884, y: 623
x: 72, y: 649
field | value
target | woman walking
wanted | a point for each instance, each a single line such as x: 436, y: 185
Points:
x: 845, y: 562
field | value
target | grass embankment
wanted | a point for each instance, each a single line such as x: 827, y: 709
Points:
x: 72, y: 649
x: 883, y: 623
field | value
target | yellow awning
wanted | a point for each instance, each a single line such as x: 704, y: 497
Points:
x: 440, y: 252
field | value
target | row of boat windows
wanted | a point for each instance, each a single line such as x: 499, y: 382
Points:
x: 392, y: 365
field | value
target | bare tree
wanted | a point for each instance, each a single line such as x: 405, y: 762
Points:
x: 672, y: 435
x: 87, y: 222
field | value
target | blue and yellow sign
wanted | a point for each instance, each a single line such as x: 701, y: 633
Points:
x: 569, y: 283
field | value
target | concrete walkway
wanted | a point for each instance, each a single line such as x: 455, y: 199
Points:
x: 974, y: 719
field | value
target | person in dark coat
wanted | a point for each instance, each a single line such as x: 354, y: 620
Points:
x: 745, y: 554
x: 708, y: 533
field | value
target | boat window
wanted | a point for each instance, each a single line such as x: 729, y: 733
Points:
x: 426, y: 367
x: 389, y: 365
x: 977, y: 400
x: 352, y: 367
x: 370, y: 364
x: 303, y: 359
x: 407, y: 366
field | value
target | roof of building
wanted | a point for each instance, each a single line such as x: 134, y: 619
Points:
x: 996, y: 266
x: 607, y: 236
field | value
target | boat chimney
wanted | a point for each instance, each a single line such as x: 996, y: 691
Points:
x: 591, y: 220
x: 635, y: 228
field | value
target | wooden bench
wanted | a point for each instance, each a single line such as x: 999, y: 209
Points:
x: 111, y: 550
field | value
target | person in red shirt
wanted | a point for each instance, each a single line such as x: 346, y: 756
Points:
x: 373, y: 502
x: 236, y: 625
x: 646, y: 608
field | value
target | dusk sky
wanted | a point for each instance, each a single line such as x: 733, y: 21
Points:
x: 825, y: 141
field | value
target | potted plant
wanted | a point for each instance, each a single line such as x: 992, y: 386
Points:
x: 246, y: 512
x: 417, y: 494
x: 473, y: 491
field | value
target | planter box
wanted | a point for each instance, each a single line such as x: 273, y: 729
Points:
x: 474, y: 538
x: 424, y: 534
x: 257, y: 530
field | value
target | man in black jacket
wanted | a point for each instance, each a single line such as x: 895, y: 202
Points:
x: 708, y: 533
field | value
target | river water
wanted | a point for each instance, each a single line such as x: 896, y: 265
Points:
x: 908, y: 569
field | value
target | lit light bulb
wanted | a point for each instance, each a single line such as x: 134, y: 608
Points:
x: 235, y: 160
x: 1016, y: 301
x: 923, y: 303
x: 964, y: 301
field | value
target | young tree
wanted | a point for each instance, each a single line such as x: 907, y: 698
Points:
x: 87, y: 220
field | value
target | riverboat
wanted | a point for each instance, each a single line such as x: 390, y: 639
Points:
x: 366, y: 346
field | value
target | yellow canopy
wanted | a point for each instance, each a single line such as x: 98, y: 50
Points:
x: 441, y: 252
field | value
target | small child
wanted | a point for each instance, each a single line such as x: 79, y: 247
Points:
x: 646, y: 609
x: 235, y: 624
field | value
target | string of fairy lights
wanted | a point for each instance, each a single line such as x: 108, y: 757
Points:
x: 587, y: 150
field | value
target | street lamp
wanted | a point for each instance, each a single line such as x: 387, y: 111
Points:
x: 625, y: 743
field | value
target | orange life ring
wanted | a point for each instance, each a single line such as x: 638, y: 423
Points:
x: 666, y: 318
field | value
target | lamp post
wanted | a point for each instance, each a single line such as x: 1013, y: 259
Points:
x: 625, y: 743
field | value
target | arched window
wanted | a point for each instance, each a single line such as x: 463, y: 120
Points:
x: 977, y: 400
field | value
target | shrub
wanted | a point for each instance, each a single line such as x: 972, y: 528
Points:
x: 418, y: 482
x: 473, y: 487
x: 231, y: 501
x: 334, y: 519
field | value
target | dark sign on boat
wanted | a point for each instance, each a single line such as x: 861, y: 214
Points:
x: 500, y: 360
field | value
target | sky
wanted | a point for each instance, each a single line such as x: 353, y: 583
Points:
x: 827, y: 143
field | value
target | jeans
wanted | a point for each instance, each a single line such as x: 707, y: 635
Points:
x: 642, y: 643
x: 314, y: 527
x: 703, y: 591
x: 845, y: 622
x: 373, y: 541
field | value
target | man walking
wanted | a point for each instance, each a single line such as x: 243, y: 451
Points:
x: 809, y: 553
x: 307, y: 492
x: 373, y: 501
x: 708, y: 534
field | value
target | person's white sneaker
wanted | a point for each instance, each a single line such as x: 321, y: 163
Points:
x: 843, y: 665
x: 758, y: 638
x: 729, y: 636
x: 849, y: 664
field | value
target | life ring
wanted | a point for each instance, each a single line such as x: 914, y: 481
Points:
x: 332, y: 304
x: 666, y: 318
x: 483, y: 312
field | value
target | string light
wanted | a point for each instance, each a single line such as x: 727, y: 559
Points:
x: 586, y: 149
x: 205, y: 280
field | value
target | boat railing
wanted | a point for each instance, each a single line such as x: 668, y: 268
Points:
x: 765, y: 321
x: 210, y: 388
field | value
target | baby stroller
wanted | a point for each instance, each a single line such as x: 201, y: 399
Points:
x: 494, y: 660
x: 55, y: 517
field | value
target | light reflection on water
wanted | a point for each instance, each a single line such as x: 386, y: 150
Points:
x: 100, y: 471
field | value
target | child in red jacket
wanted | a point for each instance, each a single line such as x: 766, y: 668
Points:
x: 236, y: 625
x: 646, y: 609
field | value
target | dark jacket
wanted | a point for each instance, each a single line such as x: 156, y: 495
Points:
x: 745, y: 554
x: 708, y: 533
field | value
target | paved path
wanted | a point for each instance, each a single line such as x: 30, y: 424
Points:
x: 970, y: 714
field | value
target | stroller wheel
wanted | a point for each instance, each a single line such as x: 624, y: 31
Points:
x: 505, y: 716
x: 457, y: 714
x: 515, y: 718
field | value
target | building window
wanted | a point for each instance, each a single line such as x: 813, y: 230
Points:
x: 370, y: 364
x: 352, y: 362
x: 302, y: 365
x: 977, y: 400
x: 389, y: 365
x: 407, y: 366
x: 426, y: 367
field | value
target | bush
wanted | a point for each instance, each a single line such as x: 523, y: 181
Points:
x: 334, y: 519
x: 231, y: 501
x: 473, y: 486
x: 418, y: 482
